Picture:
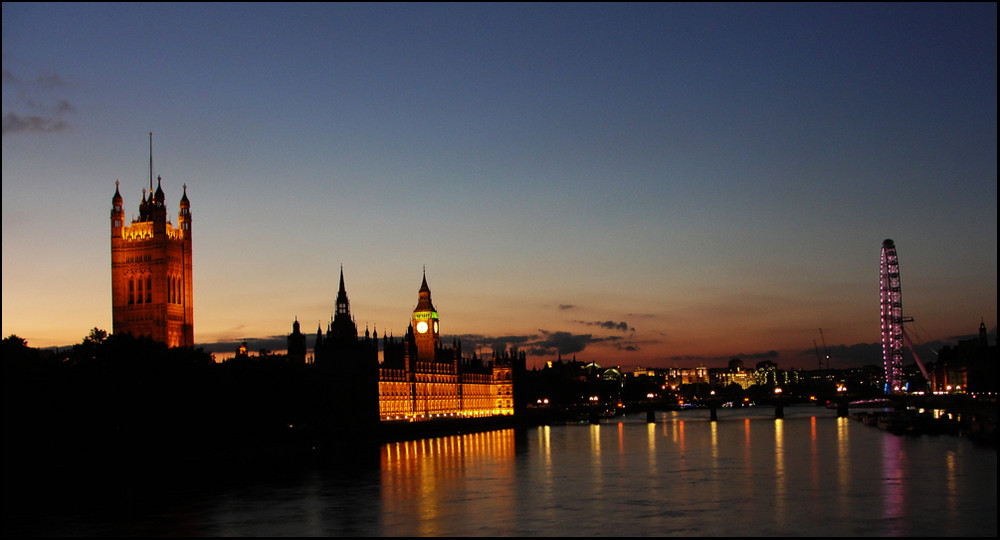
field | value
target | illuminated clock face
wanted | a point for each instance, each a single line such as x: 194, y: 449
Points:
x: 435, y: 326
x: 422, y: 327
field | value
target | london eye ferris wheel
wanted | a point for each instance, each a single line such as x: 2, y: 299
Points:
x: 892, y: 318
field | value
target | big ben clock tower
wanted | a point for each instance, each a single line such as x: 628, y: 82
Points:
x: 425, y: 325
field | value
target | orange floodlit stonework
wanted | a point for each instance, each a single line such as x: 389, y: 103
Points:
x: 151, y: 271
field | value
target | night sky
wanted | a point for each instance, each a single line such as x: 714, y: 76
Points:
x: 641, y: 185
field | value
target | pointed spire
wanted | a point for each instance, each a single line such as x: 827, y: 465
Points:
x: 425, y: 304
x: 150, y: 162
x: 159, y: 198
x: 343, y: 304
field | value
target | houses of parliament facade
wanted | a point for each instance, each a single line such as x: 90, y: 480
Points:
x: 417, y: 377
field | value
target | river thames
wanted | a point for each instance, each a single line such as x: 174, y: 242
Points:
x: 808, y: 474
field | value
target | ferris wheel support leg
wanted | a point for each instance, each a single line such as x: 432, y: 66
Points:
x: 906, y: 338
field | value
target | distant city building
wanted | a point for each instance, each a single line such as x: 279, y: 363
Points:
x: 768, y: 374
x: 738, y: 376
x: 678, y: 376
x: 969, y: 367
x: 151, y: 271
x: 297, y: 344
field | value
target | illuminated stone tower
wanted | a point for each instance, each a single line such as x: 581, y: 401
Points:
x: 425, y: 325
x: 151, y: 271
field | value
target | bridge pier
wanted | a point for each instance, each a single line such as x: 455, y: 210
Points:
x: 842, y: 408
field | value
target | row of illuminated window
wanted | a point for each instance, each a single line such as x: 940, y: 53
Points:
x: 140, y: 290
x: 175, y: 291
x: 138, y: 258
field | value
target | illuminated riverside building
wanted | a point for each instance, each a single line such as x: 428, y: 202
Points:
x: 678, y: 376
x: 740, y: 377
x: 418, y: 378
x: 151, y: 271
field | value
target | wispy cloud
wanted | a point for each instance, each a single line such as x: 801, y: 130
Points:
x: 13, y: 123
x: 620, y: 326
x: 39, y: 112
x: 544, y: 343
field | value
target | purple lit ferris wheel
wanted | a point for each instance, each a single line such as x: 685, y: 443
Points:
x: 892, y: 318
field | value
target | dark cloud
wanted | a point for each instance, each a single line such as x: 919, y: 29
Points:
x: 610, y: 325
x: 271, y: 343
x: 627, y: 347
x: 13, y: 123
x: 476, y: 342
x: 756, y: 357
x: 48, y: 82
x: 63, y: 107
x: 45, y: 82
x: 47, y: 114
x: 767, y: 355
x: 559, y: 342
x: 566, y: 306
x: 690, y: 358
x: 858, y: 354
x: 862, y: 354
x: 544, y: 343
x: 990, y: 334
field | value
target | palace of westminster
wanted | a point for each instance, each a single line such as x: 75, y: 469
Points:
x: 417, y: 377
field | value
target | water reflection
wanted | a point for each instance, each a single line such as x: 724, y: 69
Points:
x: 431, y: 484
x: 810, y: 473
x: 747, y: 474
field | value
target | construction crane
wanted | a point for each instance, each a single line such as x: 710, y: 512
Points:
x: 826, y: 351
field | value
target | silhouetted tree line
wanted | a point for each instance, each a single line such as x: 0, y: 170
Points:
x: 116, y: 409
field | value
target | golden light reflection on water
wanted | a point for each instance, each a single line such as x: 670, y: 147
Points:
x: 748, y: 458
x: 714, y: 436
x: 746, y: 475
x: 951, y: 483
x: 807, y: 473
x: 843, y: 463
x: 651, y: 449
x: 678, y: 434
x: 421, y: 477
x: 814, y: 454
x: 780, y: 479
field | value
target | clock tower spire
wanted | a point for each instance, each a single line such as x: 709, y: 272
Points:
x: 425, y: 324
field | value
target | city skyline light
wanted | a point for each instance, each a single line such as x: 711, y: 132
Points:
x: 637, y: 185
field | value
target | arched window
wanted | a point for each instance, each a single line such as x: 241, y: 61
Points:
x: 149, y: 289
x: 131, y: 292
